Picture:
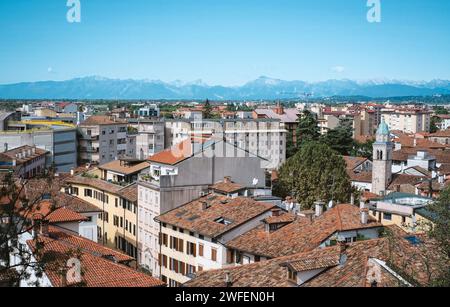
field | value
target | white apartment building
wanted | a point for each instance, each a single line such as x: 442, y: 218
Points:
x: 174, y: 180
x: 411, y: 120
x: 193, y: 236
x: 265, y: 138
x: 150, y: 138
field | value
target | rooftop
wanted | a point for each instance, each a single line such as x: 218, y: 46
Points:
x: 214, y: 215
x: 96, y: 120
x: 301, y: 235
x: 123, y: 167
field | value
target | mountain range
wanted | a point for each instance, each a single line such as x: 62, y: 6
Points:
x: 261, y: 88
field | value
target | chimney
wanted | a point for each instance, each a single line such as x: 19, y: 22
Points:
x: 319, y: 208
x: 6, y: 147
x: 204, y: 205
x: 352, y: 200
x: 364, y: 216
x: 415, y: 142
x: 227, y: 179
x: 33, y: 150
x: 228, y: 280
x: 276, y: 212
x: 72, y: 172
x: 441, y: 179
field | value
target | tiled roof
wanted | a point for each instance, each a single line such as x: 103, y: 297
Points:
x: 11, y: 154
x: 122, y: 168
x: 98, y: 271
x: 408, y: 141
x: 227, y: 187
x: 194, y: 217
x: 49, y: 212
x: 174, y: 155
x: 359, y: 177
x: 74, y: 203
x: 421, y: 170
x: 444, y: 169
x: 94, y: 183
x: 289, y: 115
x: 442, y: 133
x: 403, y: 179
x: 351, y: 271
x: 354, y: 162
x: 281, y: 219
x: 442, y: 156
x: 302, y: 234
x: 129, y: 193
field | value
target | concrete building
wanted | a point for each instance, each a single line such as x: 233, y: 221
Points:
x: 149, y: 111
x: 407, y: 120
x: 182, y: 174
x: 102, y: 139
x: 150, y: 138
x: 58, y: 138
x: 265, y: 138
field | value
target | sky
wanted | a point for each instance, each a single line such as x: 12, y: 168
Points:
x: 224, y: 42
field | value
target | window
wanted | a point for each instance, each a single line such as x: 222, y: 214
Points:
x: 387, y: 216
x: 292, y: 275
x: 230, y: 256
x: 213, y: 254
x: 200, y: 268
x: 257, y: 258
x: 87, y: 192
x: 191, y: 249
x: 200, y: 250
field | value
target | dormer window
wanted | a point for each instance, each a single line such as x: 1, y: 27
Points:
x: 223, y: 221
x: 292, y: 275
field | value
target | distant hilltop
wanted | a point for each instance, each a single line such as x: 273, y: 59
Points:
x: 261, y: 88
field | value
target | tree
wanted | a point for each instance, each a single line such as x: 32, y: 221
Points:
x: 364, y: 150
x: 340, y: 138
x: 20, y: 213
x: 315, y: 173
x: 440, y: 231
x: 207, y: 110
x: 434, y: 122
x: 307, y: 129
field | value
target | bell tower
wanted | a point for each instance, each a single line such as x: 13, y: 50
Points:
x: 382, y: 160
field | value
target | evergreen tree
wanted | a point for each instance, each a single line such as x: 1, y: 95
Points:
x: 207, y: 110
x: 308, y: 128
x: 340, y: 138
x: 316, y: 172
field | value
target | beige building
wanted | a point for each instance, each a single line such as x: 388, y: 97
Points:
x: 407, y: 120
x: 117, y: 224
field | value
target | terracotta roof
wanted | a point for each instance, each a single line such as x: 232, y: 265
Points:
x: 174, y: 155
x: 354, y: 162
x: 436, y: 186
x: 94, y: 183
x: 234, y: 211
x: 227, y: 187
x: 442, y: 134
x: 369, y: 196
x: 421, y: 170
x: 351, y: 271
x: 408, y: 141
x: 129, y: 193
x: 444, y: 169
x: 96, y: 120
x: 12, y: 154
x: 121, y: 167
x: 301, y: 235
x: 281, y: 219
x: 359, y: 177
x: 442, y: 156
x: 74, y: 203
x: 98, y: 270
x: 403, y: 179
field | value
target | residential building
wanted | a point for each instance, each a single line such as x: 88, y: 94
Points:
x: 370, y: 263
x: 123, y: 171
x: 441, y: 137
x: 117, y: 223
x: 66, y: 107
x: 193, y: 236
x: 408, y: 120
x: 262, y: 137
x: 102, y: 267
x: 407, y: 211
x: 26, y: 161
x: 58, y: 138
x: 103, y: 139
x: 183, y: 173
x: 150, y: 138
x: 149, y: 111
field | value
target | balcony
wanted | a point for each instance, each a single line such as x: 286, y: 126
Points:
x: 149, y: 179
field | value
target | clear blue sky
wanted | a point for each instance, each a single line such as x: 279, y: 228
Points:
x: 224, y: 42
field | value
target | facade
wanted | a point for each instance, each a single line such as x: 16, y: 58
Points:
x: 382, y: 160
x: 175, y: 179
x: 25, y: 161
x: 149, y: 111
x: 117, y: 223
x: 150, y: 138
x: 408, y: 120
x: 58, y: 138
x: 265, y: 138
x: 102, y: 139
x: 193, y: 236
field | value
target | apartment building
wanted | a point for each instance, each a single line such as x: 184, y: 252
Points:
x: 193, y: 236
x: 103, y: 139
x: 183, y: 173
x: 26, y: 161
x: 407, y: 120
x: 150, y: 137
x: 123, y: 171
x: 117, y: 223
x: 262, y: 137
x: 57, y: 138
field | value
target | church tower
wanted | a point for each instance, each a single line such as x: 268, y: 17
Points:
x: 382, y: 160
